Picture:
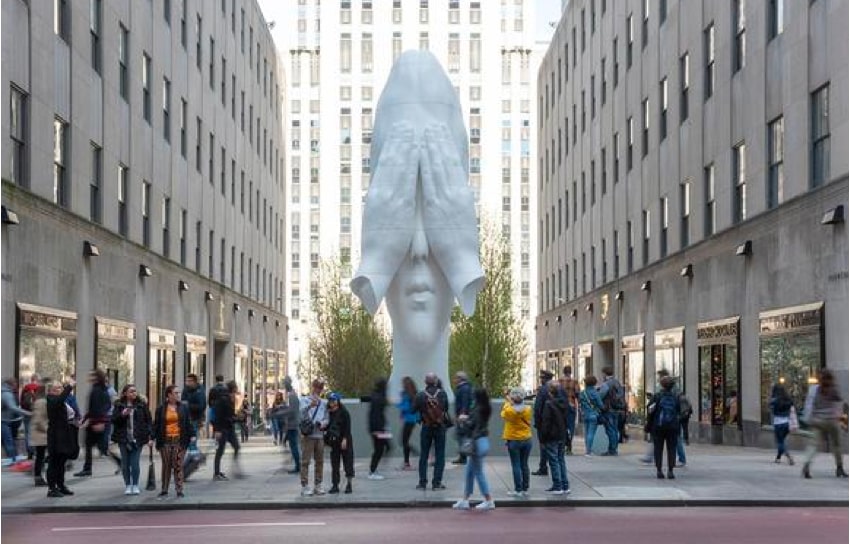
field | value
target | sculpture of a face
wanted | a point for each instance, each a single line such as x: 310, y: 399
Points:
x: 419, y: 298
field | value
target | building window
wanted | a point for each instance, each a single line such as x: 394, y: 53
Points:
x: 166, y: 109
x: 739, y: 179
x: 423, y: 41
x: 644, y: 30
x: 775, y: 18
x: 662, y: 98
x: 604, y: 163
x: 710, y: 208
x: 123, y: 62
x: 210, y: 155
x: 198, y: 230
x: 645, y: 131
x: 199, y: 54
x: 198, y: 128
x: 94, y: 28
x: 630, y: 40
x: 166, y: 227
x: 423, y: 11
x: 123, y: 193
x: 616, y: 254
x: 366, y: 53
x: 18, y: 134
x: 61, y: 194
x: 345, y: 53
x: 630, y: 144
x: 820, y: 136
x: 604, y: 88
x: 775, y: 158
x: 647, y: 226
x: 616, y: 68
x: 665, y: 223
x: 183, y: 225
x: 475, y: 53
x: 212, y: 64
x: 146, y: 87
x: 630, y: 256
x: 708, y: 49
x: 146, y: 213
x: 616, y: 151
x: 684, y: 86
x: 184, y: 108
x: 685, y: 207
x: 183, y: 33
x: 211, y: 256
x: 662, y: 11
x: 95, y: 183
x: 62, y: 18
x: 740, y: 44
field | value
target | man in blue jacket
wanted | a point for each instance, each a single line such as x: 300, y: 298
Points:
x: 194, y: 397
x: 463, y: 404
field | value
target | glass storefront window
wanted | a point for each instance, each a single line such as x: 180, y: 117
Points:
x: 719, y: 381
x: 116, y: 351
x: 584, y: 362
x: 196, y: 357
x: 790, y: 353
x: 258, y: 369
x: 240, y: 371
x: 162, y: 356
x: 669, y: 355
x: 633, y: 379
x: 47, y: 343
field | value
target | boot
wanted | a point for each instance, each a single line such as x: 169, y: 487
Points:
x: 659, y: 474
x: 348, y: 486
x: 790, y: 459
x: 806, y: 473
x: 334, y: 489
x: 40, y: 482
x: 839, y: 472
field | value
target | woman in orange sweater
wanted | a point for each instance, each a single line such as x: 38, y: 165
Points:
x: 173, y: 431
x: 517, y: 434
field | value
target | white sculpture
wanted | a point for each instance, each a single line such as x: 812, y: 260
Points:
x: 420, y: 234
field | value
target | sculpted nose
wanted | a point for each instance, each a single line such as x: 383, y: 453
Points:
x: 419, y: 245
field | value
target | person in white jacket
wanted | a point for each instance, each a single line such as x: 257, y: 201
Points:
x: 822, y: 412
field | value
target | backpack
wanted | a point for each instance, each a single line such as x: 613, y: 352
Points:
x: 434, y: 414
x: 615, y: 398
x: 685, y: 408
x: 667, y: 412
x: 27, y: 400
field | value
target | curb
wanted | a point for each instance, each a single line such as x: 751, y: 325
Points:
x: 395, y: 505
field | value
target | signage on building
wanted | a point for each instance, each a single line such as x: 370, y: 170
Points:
x: 160, y: 338
x: 670, y: 338
x: 45, y: 320
x: 795, y: 319
x: 632, y: 343
x: 605, y: 305
x: 196, y: 344
x: 718, y: 332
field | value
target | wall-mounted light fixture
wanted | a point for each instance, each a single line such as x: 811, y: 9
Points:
x: 832, y: 217
x: 646, y: 286
x: 574, y: 313
x: 208, y: 296
x: 558, y: 319
x: 745, y: 249
x: 145, y: 271
x: 687, y: 271
x: 589, y: 307
x: 236, y: 307
x: 90, y: 250
x: 619, y: 296
x: 182, y: 285
x: 265, y: 319
x: 250, y: 313
x: 277, y: 323
x: 10, y: 217
x: 546, y: 323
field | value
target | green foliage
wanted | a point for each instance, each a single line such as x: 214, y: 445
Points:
x: 348, y: 349
x: 490, y: 345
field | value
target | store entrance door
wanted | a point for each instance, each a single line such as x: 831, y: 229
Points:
x: 719, y: 383
x: 162, y: 356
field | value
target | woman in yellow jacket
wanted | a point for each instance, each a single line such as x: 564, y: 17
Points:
x: 517, y: 434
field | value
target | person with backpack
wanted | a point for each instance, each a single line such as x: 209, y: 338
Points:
x: 685, y: 412
x: 537, y: 410
x: 290, y: 423
x: 12, y: 415
x: 433, y: 405
x: 613, y: 404
x: 194, y: 397
x: 463, y: 404
x: 571, y: 389
x: 663, y: 423
x: 224, y: 428
x: 338, y: 439
x: 780, y: 407
x: 314, y: 421
x: 212, y: 398
x: 553, y: 430
x: 591, y: 409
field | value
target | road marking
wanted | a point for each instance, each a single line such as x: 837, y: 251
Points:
x: 189, y: 526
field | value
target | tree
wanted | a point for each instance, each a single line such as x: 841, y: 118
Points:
x: 347, y: 348
x: 490, y: 345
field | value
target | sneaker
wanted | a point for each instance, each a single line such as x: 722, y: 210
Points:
x: 220, y: 477
x: 55, y: 494
x: 65, y: 491
x: 348, y: 488
x: 406, y: 467
x: 567, y: 491
x: 437, y: 487
x: 136, y: 490
x: 129, y: 490
x: 375, y: 476
x: 293, y: 471
x: 514, y: 493
x: 681, y: 464
x: 540, y: 473
x: 588, y: 455
x: 162, y: 496
x: 525, y: 494
x: 83, y: 473
x: 334, y: 490
x: 486, y: 505
x: 458, y: 461
x: 306, y: 491
x: 462, y: 504
x: 556, y: 492
x: 318, y: 490
x: 421, y: 486
x: 180, y: 495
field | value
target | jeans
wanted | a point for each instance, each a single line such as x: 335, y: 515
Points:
x: 277, y: 431
x: 379, y: 446
x: 405, y: 440
x: 590, y: 424
x: 571, y: 427
x: 130, y: 464
x: 680, y: 449
x: 9, y: 447
x: 293, y: 438
x: 437, y: 437
x: 519, y: 450
x: 660, y: 438
x: 225, y: 437
x: 612, y: 423
x: 475, y: 468
x: 557, y: 464
x: 781, y: 433
x: 541, y: 469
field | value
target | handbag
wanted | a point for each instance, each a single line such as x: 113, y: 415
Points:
x: 793, y: 421
x: 467, y: 446
x: 307, y: 426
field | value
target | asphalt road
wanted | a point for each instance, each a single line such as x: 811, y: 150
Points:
x: 438, y: 526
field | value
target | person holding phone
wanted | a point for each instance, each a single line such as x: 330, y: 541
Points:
x: 131, y: 430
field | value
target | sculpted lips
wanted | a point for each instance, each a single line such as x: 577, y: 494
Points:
x: 419, y: 293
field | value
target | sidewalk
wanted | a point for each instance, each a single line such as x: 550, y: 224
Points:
x: 714, y: 476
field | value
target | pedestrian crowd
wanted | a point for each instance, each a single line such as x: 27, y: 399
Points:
x: 307, y: 425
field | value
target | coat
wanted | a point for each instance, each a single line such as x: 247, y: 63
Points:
x: 187, y: 431
x: 38, y: 423
x: 62, y: 435
x: 553, y: 422
x: 142, y: 424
